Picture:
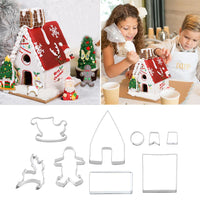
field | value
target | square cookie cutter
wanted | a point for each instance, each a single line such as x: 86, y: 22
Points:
x: 159, y: 172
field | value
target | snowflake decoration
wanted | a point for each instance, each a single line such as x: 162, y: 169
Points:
x: 54, y: 31
x: 38, y: 49
x: 160, y: 62
x: 151, y: 72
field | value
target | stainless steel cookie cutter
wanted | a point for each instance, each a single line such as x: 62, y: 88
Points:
x: 154, y: 138
x: 172, y: 137
x: 137, y: 138
x: 159, y: 173
x: 49, y: 131
x: 69, y: 166
x: 107, y: 137
x: 113, y: 182
x: 33, y: 176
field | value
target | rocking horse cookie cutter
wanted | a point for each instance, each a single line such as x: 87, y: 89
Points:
x: 49, y: 131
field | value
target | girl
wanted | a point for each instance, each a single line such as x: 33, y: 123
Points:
x: 182, y: 54
x: 115, y: 58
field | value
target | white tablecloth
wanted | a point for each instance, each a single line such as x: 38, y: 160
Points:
x: 87, y: 96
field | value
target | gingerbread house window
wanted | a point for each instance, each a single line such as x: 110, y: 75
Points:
x: 144, y: 77
x: 26, y: 59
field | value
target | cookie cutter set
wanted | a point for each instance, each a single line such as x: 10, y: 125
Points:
x: 106, y: 137
x: 52, y: 132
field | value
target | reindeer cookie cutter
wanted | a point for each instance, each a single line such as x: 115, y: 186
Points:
x: 35, y: 175
x: 49, y: 131
x: 69, y: 167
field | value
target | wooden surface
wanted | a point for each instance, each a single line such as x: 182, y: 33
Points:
x: 182, y: 87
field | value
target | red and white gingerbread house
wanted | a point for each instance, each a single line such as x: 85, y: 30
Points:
x: 151, y: 77
x: 41, y: 55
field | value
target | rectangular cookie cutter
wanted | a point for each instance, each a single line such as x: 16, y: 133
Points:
x: 110, y: 182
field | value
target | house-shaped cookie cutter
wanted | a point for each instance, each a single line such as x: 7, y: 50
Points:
x: 107, y: 137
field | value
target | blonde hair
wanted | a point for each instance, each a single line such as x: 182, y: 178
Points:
x: 120, y: 13
x: 192, y: 23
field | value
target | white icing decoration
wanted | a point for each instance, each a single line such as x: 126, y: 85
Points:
x: 57, y: 49
x: 24, y: 13
x: 45, y: 36
x: 54, y: 31
x: 38, y: 16
x: 60, y: 44
x: 38, y: 49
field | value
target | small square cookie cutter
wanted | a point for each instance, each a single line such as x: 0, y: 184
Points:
x: 172, y: 138
x: 35, y: 175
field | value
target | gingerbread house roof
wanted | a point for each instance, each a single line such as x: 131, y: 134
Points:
x: 49, y: 44
x: 157, y: 69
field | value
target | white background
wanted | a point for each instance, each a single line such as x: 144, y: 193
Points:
x: 18, y: 143
x: 76, y: 18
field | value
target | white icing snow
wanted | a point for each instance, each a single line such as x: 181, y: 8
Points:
x: 45, y: 36
x: 38, y: 16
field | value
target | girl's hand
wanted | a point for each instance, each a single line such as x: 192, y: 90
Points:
x: 129, y: 73
x: 164, y: 54
x: 132, y: 57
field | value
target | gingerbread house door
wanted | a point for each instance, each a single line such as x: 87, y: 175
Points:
x: 27, y: 78
x: 144, y: 87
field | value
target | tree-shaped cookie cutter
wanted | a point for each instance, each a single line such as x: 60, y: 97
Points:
x: 107, y: 137
x: 35, y: 175
x: 49, y: 131
x: 69, y: 166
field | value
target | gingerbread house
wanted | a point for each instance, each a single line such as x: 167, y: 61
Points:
x: 39, y: 54
x: 150, y: 77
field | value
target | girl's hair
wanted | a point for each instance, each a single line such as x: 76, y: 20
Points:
x: 191, y: 22
x: 119, y: 13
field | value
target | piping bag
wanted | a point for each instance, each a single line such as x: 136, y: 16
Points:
x: 115, y: 35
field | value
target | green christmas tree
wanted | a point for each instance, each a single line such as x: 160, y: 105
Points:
x: 6, y: 71
x: 87, y: 53
x: 132, y: 83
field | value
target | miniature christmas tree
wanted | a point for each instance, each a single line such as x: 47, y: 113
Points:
x: 7, y: 78
x: 132, y: 83
x: 87, y: 54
